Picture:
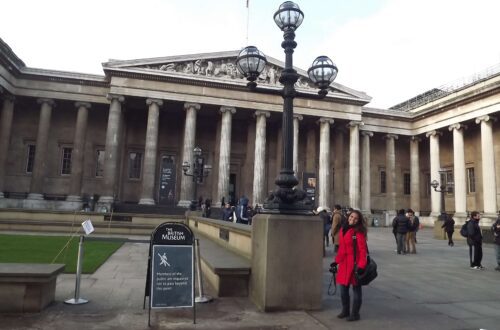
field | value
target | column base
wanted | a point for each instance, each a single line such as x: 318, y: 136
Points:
x: 147, y: 201
x: 104, y: 204
x: 1, y: 194
x: 73, y: 198
x: 184, y: 203
x: 35, y: 196
x: 276, y: 237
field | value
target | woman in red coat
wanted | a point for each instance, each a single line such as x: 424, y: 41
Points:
x: 345, y: 261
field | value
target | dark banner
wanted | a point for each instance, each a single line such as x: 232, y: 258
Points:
x: 167, y: 181
x: 309, y: 185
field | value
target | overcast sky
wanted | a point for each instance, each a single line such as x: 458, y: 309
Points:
x: 390, y: 49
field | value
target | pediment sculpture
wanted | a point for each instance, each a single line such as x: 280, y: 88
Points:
x: 226, y: 69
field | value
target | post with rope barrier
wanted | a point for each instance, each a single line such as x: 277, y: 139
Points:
x: 202, y: 298
x: 77, y: 300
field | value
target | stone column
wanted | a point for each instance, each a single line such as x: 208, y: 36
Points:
x: 365, y: 173
x: 434, y: 172
x: 415, y: 175
x: 225, y: 153
x: 459, y: 170
x: 296, y: 120
x: 187, y: 184
x: 390, y: 172
x: 42, y: 138
x: 75, y: 185
x: 354, y: 188
x: 111, y: 152
x: 151, y: 150
x: 6, y: 122
x: 338, y: 189
x: 259, y: 170
x: 324, y: 162
x: 488, y: 166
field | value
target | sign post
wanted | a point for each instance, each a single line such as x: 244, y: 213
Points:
x: 170, y: 279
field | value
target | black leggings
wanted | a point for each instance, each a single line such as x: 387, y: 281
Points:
x: 357, y: 298
x: 450, y: 237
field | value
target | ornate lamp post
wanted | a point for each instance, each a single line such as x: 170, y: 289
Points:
x: 287, y: 198
x: 198, y: 172
x: 443, y: 188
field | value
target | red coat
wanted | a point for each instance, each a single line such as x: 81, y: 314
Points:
x: 345, y: 256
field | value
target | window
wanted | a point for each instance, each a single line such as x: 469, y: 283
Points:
x: 406, y: 184
x: 134, y: 165
x: 99, y: 163
x: 471, y: 180
x: 447, y: 180
x: 66, y: 160
x: 383, y: 188
x: 30, y: 158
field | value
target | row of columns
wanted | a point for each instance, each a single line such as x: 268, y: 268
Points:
x: 358, y: 198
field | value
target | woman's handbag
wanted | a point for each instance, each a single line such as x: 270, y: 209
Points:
x: 369, y: 273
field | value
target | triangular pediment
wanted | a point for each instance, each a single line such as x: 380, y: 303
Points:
x: 221, y: 67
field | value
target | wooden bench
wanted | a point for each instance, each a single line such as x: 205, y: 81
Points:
x: 27, y: 288
x: 227, y: 272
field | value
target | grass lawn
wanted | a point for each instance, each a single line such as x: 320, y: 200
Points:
x: 45, y: 249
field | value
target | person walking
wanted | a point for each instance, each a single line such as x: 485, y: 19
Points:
x: 400, y: 226
x: 327, y: 225
x: 475, y: 239
x: 449, y: 227
x: 344, y: 260
x: 496, y: 234
x: 412, y: 230
x: 336, y: 224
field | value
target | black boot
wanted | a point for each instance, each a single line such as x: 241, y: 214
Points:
x: 345, y: 305
x: 356, y: 305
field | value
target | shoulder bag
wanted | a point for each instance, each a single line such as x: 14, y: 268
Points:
x: 370, y: 272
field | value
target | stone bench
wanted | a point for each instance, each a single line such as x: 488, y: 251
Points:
x: 27, y: 288
x: 227, y: 272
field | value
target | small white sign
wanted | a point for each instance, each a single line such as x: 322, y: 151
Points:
x: 87, y: 226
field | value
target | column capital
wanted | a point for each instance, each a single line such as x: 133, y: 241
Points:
x: 391, y: 136
x: 224, y: 109
x: 190, y: 105
x: 47, y: 101
x: 150, y: 101
x: 7, y: 97
x: 325, y: 120
x: 457, y: 126
x: 354, y: 123
x: 485, y: 119
x: 433, y: 133
x: 118, y: 97
x: 297, y: 116
x: 83, y: 104
x: 266, y: 114
x: 415, y: 138
x: 367, y: 133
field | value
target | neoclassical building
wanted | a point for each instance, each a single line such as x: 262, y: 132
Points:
x: 122, y: 137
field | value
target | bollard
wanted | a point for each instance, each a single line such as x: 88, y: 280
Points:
x: 77, y: 300
x: 201, y: 297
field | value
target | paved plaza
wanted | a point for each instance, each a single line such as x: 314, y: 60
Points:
x: 434, y: 289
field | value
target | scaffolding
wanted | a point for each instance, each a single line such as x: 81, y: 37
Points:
x: 447, y: 89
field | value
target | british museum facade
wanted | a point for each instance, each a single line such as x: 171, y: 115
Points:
x: 123, y: 137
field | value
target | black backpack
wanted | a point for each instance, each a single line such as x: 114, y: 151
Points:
x: 463, y: 231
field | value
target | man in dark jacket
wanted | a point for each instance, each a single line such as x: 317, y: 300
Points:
x: 401, y: 225
x: 475, y: 239
x: 496, y: 233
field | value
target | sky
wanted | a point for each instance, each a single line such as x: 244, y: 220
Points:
x: 390, y: 49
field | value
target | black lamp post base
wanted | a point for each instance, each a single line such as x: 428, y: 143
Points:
x: 288, y: 201
x: 193, y: 206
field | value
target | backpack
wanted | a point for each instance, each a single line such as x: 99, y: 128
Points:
x: 463, y: 231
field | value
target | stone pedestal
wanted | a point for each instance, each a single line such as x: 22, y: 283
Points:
x: 287, y: 268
